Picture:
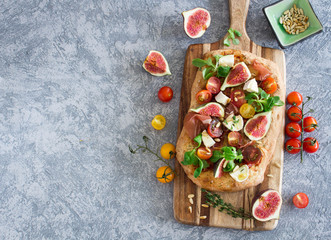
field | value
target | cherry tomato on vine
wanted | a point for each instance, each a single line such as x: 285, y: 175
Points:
x: 294, y: 98
x: 300, y: 200
x: 309, y: 124
x: 168, y: 151
x: 310, y: 145
x: 165, y: 94
x: 293, y: 146
x: 204, y: 153
x: 165, y: 174
x: 294, y: 114
x: 213, y: 85
x: 269, y: 85
x: 203, y: 96
x: 158, y: 122
x: 238, y: 97
x: 293, y: 130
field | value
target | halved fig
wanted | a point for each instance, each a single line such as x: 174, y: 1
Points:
x: 238, y: 75
x: 218, y: 169
x: 266, y: 205
x: 210, y: 109
x: 258, y: 126
x: 196, y: 22
x: 156, y: 64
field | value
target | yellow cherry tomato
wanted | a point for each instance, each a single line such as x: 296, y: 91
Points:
x: 168, y: 151
x: 158, y: 122
x: 247, y: 111
x: 165, y: 174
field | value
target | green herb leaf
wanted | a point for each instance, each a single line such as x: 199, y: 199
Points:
x: 229, y: 167
x: 198, y: 139
x: 237, y: 33
x: 217, y: 58
x: 223, y: 71
x: 217, y: 155
x: 190, y: 158
x: 263, y: 102
x: 235, y: 41
x: 199, y: 62
x: 231, y: 33
x: 226, y: 42
x: 198, y: 171
x: 207, y: 72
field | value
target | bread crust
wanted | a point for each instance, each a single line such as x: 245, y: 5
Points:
x: 267, y: 144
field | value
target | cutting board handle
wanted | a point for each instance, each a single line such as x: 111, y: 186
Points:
x: 238, y: 14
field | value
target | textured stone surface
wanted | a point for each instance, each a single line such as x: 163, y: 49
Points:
x: 73, y: 96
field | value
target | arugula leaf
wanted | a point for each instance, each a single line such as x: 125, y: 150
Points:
x: 232, y: 35
x: 223, y: 71
x: 229, y: 153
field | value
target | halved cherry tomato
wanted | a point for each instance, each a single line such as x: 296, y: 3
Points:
x: 294, y: 98
x: 293, y: 130
x: 204, y: 153
x: 252, y: 155
x: 158, y: 122
x: 309, y: 124
x: 247, y: 111
x: 238, y: 97
x: 269, y: 85
x: 234, y: 138
x: 203, y: 96
x: 213, y: 85
x: 165, y: 174
x: 168, y: 151
x: 165, y: 94
x: 294, y: 114
x: 310, y: 145
x: 215, y: 128
x: 293, y: 146
x: 300, y: 200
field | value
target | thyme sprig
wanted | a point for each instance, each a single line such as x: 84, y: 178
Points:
x: 215, y: 201
x: 144, y: 148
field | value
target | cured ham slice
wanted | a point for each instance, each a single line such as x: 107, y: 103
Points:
x: 263, y: 71
x: 194, y: 122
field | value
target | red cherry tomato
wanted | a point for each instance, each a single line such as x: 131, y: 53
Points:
x: 252, y: 155
x: 234, y: 138
x: 269, y: 85
x: 203, y: 96
x: 165, y: 94
x: 294, y: 114
x: 310, y: 145
x: 215, y: 128
x: 309, y: 124
x: 213, y: 85
x: 204, y: 153
x: 293, y: 146
x: 294, y: 98
x: 238, y: 97
x: 300, y: 200
x: 293, y: 130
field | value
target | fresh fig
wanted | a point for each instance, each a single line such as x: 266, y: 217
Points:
x: 196, y: 22
x: 238, y: 75
x: 210, y: 109
x: 258, y: 126
x: 266, y: 205
x: 156, y: 64
x: 218, y: 168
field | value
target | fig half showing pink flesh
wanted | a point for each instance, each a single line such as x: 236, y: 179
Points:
x: 156, y: 64
x: 266, y: 205
x: 196, y: 22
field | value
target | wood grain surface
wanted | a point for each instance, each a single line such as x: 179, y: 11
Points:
x: 182, y: 184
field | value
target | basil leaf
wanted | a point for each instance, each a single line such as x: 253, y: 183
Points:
x: 198, y: 139
x: 198, y: 171
x: 223, y: 71
x: 217, y: 155
x: 226, y: 42
x: 199, y: 62
x: 231, y: 33
x: 237, y: 33
x: 235, y: 41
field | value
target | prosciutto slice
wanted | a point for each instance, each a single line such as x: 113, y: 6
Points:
x: 194, y: 123
x: 263, y: 71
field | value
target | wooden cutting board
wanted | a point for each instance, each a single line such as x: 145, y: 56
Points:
x: 183, y: 186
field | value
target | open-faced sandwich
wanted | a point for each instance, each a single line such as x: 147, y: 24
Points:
x: 234, y: 120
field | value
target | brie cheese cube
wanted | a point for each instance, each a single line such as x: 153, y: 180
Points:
x: 222, y: 99
x: 227, y: 60
x: 207, y: 140
x: 251, y: 86
x: 234, y: 123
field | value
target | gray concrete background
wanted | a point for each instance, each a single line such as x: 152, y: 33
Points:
x: 73, y: 96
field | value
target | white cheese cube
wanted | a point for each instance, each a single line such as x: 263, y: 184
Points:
x: 222, y: 98
x: 207, y: 140
x: 251, y: 86
x: 227, y: 60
